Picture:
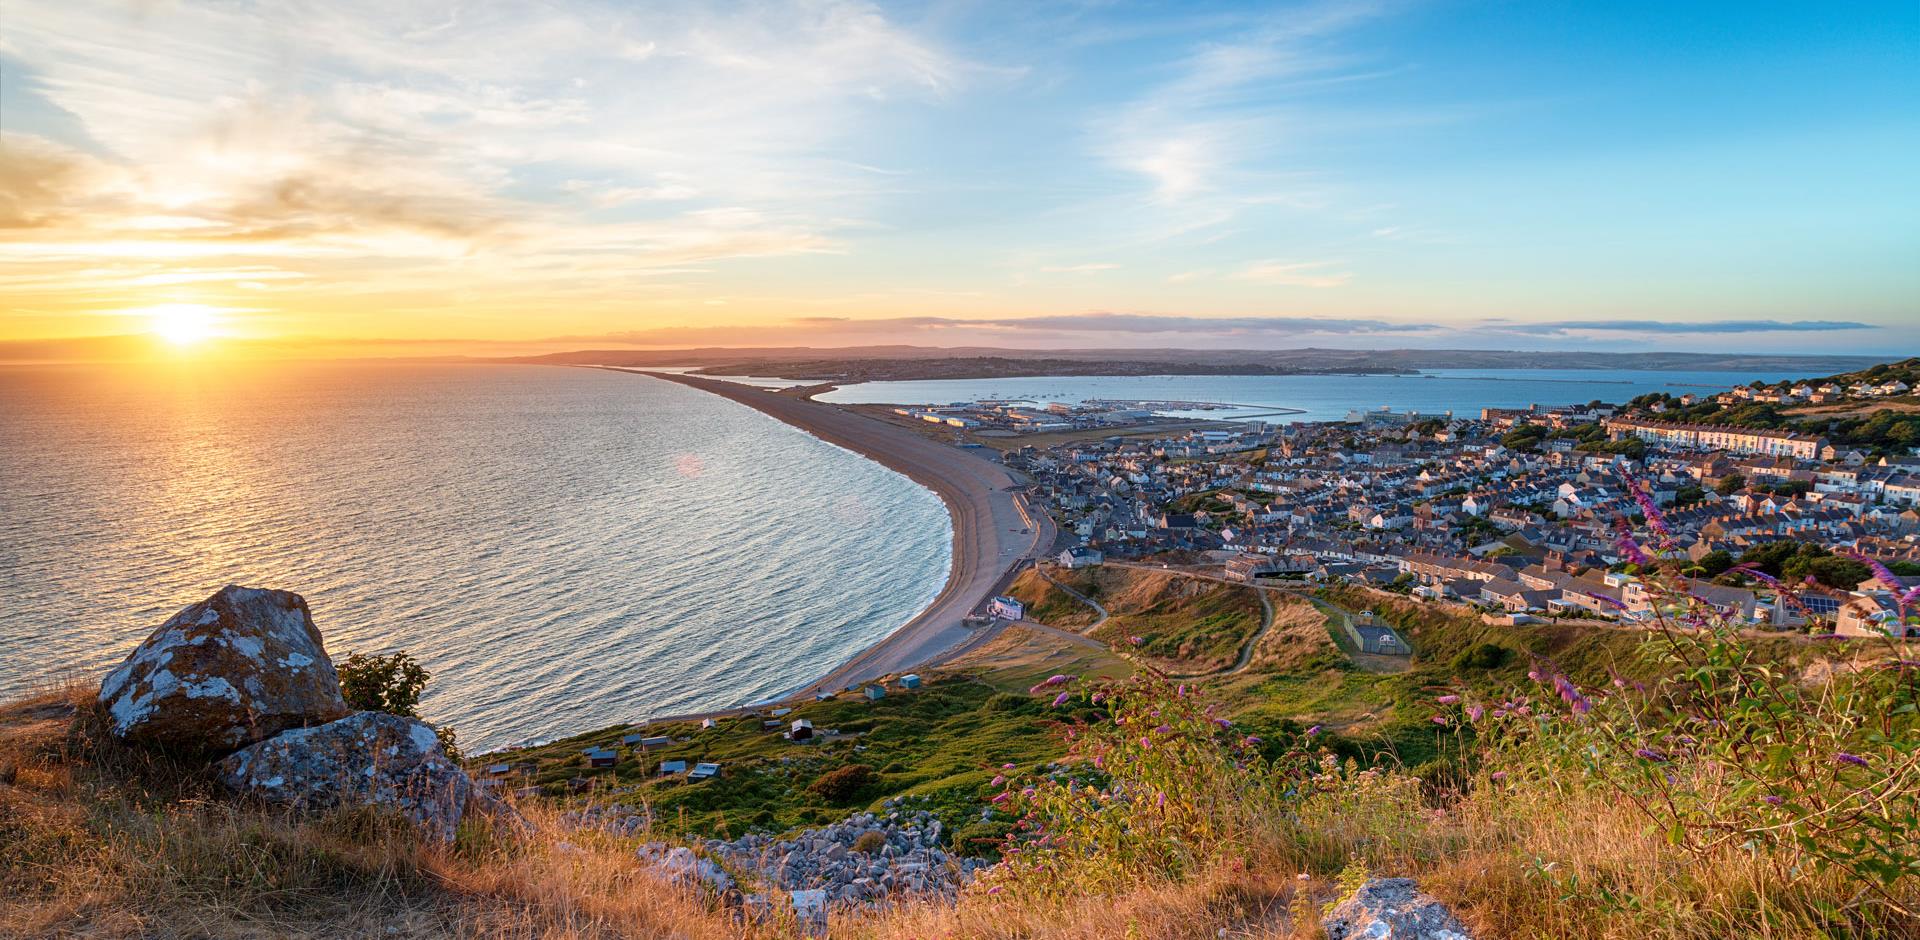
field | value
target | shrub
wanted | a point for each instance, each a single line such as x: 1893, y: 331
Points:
x: 870, y: 843
x: 1482, y: 656
x: 843, y: 784
x: 390, y: 684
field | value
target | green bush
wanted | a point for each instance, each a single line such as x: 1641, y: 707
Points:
x: 1482, y: 656
x: 843, y: 784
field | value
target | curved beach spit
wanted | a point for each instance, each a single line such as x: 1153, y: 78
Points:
x: 988, y: 521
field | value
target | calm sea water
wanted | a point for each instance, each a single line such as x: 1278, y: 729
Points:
x: 563, y: 548
x: 1320, y: 397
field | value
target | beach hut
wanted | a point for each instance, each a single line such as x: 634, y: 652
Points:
x: 1007, y: 608
x: 781, y: 712
x: 875, y: 692
x: 670, y: 767
x: 704, y: 771
x: 910, y: 681
x: 707, y: 723
x: 526, y: 793
x: 651, y: 742
x: 602, y: 757
x: 634, y: 738
x: 770, y: 724
x: 499, y: 769
x: 802, y: 730
x: 822, y: 695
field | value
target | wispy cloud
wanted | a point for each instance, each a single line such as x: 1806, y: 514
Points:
x: 1087, y: 268
x: 529, y: 145
x: 1295, y: 273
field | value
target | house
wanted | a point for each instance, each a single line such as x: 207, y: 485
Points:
x: 670, y: 767
x: 1007, y: 608
x: 1872, y: 613
x: 601, y: 757
x: 1080, y: 557
x: 910, y: 681
x: 704, y: 771
x: 802, y: 730
x: 874, y: 692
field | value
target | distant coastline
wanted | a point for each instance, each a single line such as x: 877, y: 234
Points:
x: 980, y: 496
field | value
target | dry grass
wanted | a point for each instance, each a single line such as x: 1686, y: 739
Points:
x: 1298, y: 636
x: 101, y: 841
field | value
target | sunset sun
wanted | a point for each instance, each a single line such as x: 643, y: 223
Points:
x: 181, y: 324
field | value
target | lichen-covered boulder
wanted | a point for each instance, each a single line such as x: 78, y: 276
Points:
x: 1392, y: 909
x: 369, y: 759
x: 238, y: 667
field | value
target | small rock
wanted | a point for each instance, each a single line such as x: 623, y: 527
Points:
x: 1392, y: 909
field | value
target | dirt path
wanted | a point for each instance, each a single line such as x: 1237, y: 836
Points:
x: 1082, y: 598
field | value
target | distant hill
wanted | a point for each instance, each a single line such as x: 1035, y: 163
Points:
x: 872, y: 363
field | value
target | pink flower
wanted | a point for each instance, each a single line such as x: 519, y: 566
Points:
x: 1136, y: 640
x: 1474, y: 712
x: 1440, y: 719
x: 1061, y: 699
x: 998, y: 779
x: 1313, y: 731
x: 1448, y: 699
x: 1499, y: 775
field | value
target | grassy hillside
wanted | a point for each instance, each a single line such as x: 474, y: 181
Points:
x: 1173, y: 810
x: 1184, y: 625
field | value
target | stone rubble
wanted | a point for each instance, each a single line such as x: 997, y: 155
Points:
x: 908, y: 863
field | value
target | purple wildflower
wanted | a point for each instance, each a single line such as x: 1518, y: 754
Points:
x: 1160, y: 799
x: 1498, y: 776
x: 1772, y: 800
x: 997, y: 780
x: 1440, y: 719
x: 1655, y: 518
x: 1062, y: 699
x: 1313, y: 731
x: 1163, y: 729
x: 1136, y: 640
x: 1000, y: 797
x: 1222, y: 722
x: 1448, y: 699
x: 1854, y: 759
x: 1251, y: 740
x: 1647, y: 753
x: 1474, y: 712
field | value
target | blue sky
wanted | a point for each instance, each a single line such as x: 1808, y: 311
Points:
x: 1502, y: 174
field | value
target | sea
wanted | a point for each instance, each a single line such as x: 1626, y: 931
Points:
x: 563, y: 548
x: 1284, y: 398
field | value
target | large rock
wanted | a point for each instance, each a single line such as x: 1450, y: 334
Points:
x: 366, y: 759
x: 1392, y: 909
x: 240, y: 666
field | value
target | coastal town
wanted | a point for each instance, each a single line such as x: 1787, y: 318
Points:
x: 1530, y: 514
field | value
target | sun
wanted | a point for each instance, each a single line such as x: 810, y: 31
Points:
x: 182, y: 324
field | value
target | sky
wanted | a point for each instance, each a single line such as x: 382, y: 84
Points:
x: 395, y: 177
